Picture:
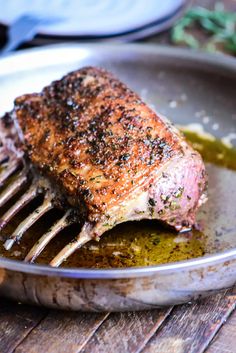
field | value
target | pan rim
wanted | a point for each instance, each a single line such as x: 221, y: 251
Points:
x: 9, y: 63
x: 119, y: 273
x: 216, y: 61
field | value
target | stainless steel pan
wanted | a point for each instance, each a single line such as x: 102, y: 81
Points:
x: 186, y: 86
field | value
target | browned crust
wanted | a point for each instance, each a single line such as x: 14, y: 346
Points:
x: 94, y: 137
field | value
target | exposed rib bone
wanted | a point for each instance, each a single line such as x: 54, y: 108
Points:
x: 13, y: 188
x: 28, y: 196
x: 47, y: 237
x: 69, y: 249
x: 28, y: 222
x: 11, y: 167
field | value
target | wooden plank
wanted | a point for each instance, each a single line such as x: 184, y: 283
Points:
x: 225, y: 340
x: 190, y: 328
x: 62, y: 332
x: 126, y: 332
x: 16, y: 321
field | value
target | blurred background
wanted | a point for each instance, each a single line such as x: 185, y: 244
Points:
x: 200, y: 24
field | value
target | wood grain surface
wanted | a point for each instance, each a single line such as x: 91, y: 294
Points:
x: 187, y: 328
x: 62, y: 332
x: 207, y: 325
x: 191, y: 327
x: 225, y: 340
x: 126, y: 332
x: 16, y: 322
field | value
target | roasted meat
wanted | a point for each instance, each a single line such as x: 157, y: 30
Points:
x: 108, y: 154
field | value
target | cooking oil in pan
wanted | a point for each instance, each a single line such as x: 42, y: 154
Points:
x: 147, y: 243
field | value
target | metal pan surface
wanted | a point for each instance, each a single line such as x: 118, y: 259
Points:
x: 187, y: 87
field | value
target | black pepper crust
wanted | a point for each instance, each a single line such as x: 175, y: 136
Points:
x: 94, y: 137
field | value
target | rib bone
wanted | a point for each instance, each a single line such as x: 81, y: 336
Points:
x: 28, y: 196
x: 11, y: 167
x: 13, y: 188
x: 83, y: 237
x: 47, y: 237
x: 28, y: 222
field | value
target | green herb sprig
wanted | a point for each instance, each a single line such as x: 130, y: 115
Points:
x: 218, y: 23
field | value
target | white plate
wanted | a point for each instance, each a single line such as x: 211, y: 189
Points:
x: 92, y: 17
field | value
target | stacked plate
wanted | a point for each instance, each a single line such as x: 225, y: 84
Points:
x: 96, y: 19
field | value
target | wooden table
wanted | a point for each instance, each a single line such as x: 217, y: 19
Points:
x: 207, y: 325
